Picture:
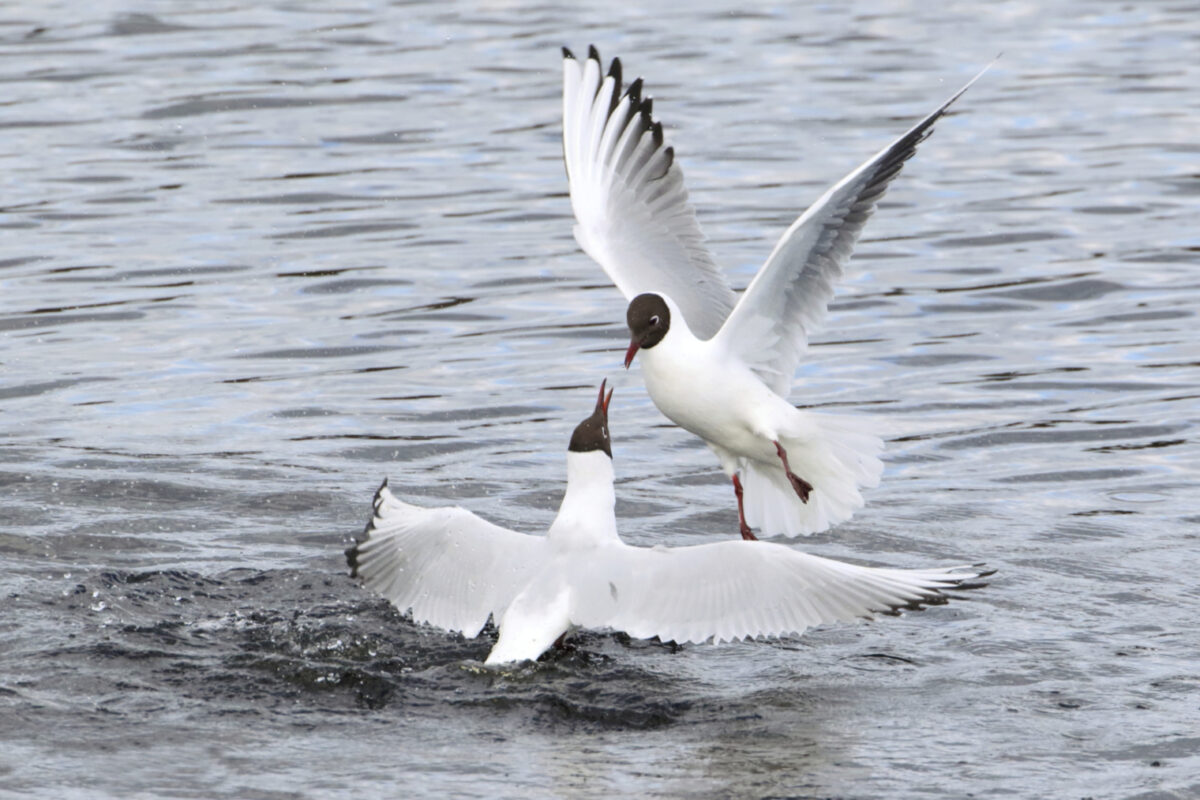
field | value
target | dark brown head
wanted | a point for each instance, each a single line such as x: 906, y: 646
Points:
x: 649, y: 319
x: 592, y: 433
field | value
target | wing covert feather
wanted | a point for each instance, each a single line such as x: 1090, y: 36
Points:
x: 733, y: 590
x: 789, y: 297
x: 451, y: 568
x: 627, y: 192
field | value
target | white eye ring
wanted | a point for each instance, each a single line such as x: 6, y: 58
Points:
x: 654, y: 320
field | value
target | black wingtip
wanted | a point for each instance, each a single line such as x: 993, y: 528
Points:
x: 378, y: 498
x: 352, y: 551
x: 614, y: 72
x: 593, y: 53
x: 568, y: 54
x: 635, y: 93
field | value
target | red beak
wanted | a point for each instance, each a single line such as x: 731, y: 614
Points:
x: 602, y: 401
x: 630, y: 353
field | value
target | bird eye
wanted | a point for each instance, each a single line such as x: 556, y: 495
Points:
x: 654, y: 320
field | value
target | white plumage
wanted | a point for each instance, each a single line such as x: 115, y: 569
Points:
x: 454, y: 570
x: 726, y: 363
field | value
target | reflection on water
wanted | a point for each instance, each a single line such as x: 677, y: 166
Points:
x: 255, y: 259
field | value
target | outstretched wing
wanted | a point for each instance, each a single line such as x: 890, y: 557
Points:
x: 450, y: 567
x: 627, y: 193
x: 789, y: 296
x: 731, y: 590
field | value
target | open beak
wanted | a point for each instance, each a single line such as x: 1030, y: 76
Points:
x: 631, y: 352
x: 602, y: 401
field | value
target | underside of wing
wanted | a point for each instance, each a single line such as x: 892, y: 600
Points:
x: 788, y: 298
x: 450, y: 567
x: 628, y: 196
x: 733, y: 590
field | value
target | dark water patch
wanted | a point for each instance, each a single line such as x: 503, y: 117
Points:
x: 255, y: 49
x: 516, y: 280
x: 980, y: 307
x: 1082, y: 386
x: 143, y: 143
x: 1188, y: 185
x: 69, y: 216
x: 6, y: 263
x: 305, y: 353
x: 305, y: 413
x: 182, y: 271
x: 966, y: 405
x: 283, y: 505
x: 395, y: 332
x: 172, y: 502
x: 43, y: 387
x: 935, y: 359
x: 297, y: 198
x: 409, y: 136
x: 880, y: 256
x: 401, y: 453
x: 967, y: 271
x: 1113, y: 448
x: 90, y: 179
x: 857, y: 305
x: 579, y: 688
x: 121, y: 199
x: 449, y: 302
x: 1079, y: 531
x: 483, y: 412
x: 138, y: 24
x: 603, y: 331
x: 1069, y: 291
x: 1111, y: 210
x: 30, y: 323
x: 1182, y: 255
x: 1066, y: 476
x: 1136, y: 316
x: 283, y: 641
x: 15, y: 124
x: 349, y: 229
x: 349, y: 285
x: 370, y: 437
x: 61, y: 76
x: 217, y: 105
x: 998, y: 239
x: 1060, y: 435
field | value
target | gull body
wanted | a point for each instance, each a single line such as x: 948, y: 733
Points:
x: 717, y: 364
x: 454, y: 570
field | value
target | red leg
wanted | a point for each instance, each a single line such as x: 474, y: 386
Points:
x: 800, y: 486
x: 747, y: 534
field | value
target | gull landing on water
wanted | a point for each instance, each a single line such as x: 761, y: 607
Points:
x: 718, y: 365
x: 454, y: 570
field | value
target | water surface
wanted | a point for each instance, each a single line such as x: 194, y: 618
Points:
x: 255, y: 259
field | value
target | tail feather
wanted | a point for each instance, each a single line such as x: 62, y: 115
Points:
x: 836, y: 456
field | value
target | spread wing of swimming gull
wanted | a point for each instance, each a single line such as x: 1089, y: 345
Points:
x: 627, y: 192
x: 789, y: 296
x: 733, y: 590
x: 450, y: 567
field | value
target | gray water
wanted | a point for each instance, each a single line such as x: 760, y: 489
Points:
x: 255, y: 259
